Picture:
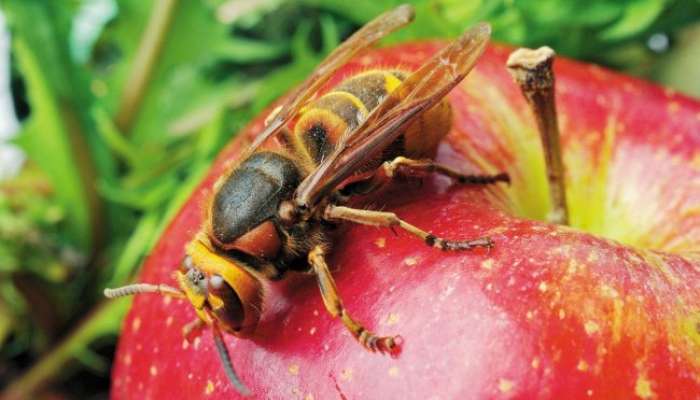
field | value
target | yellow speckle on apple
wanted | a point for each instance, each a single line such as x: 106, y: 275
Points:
x: 209, y: 389
x: 591, y: 327
x: 643, y: 388
x: 136, y: 324
x: 505, y: 385
x: 293, y: 369
x: 582, y: 366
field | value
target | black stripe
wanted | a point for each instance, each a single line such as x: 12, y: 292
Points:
x: 316, y: 141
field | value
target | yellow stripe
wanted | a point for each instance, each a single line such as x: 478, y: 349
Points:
x: 246, y: 286
x: 391, y: 82
x: 356, y: 101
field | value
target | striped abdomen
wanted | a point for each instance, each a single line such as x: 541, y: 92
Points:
x: 343, y: 108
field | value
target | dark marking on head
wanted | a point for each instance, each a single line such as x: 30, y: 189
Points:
x: 195, y: 275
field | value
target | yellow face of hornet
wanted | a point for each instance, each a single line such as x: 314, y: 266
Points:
x: 220, y: 289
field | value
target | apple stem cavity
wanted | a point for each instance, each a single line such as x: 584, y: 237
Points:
x: 532, y: 71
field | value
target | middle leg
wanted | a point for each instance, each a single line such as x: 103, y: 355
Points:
x: 389, y: 219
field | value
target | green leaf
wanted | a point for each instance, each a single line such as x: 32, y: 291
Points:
x: 329, y: 34
x: 227, y: 95
x: 116, y: 141
x: 145, y: 198
x: 248, y: 51
x: 179, y: 198
x: 637, y: 17
x: 359, y: 12
x: 597, y: 14
x: 104, y: 320
x: 6, y: 322
x: 134, y: 250
x: 92, y: 360
x: 47, y: 139
x: 191, y: 42
x: 60, y: 134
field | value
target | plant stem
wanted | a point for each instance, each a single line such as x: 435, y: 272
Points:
x: 532, y: 71
x: 104, y: 319
x: 144, y: 62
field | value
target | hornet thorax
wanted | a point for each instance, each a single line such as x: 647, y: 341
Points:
x: 248, y: 199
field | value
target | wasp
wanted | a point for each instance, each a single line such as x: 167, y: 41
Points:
x: 275, y: 211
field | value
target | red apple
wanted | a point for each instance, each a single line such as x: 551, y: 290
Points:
x: 607, y: 308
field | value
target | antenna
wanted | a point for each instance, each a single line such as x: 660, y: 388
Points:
x: 137, y: 288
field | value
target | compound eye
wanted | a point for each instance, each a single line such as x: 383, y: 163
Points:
x: 231, y: 311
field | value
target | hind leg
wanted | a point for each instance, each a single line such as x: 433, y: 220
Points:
x: 407, y: 167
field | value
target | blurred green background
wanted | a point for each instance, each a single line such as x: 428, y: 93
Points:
x: 123, y: 104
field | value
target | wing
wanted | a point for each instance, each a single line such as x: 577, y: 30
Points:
x: 369, y: 34
x: 416, y: 94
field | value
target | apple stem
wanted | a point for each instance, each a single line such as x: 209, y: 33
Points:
x: 532, y: 71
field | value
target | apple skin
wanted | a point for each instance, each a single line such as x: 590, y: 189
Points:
x: 550, y: 312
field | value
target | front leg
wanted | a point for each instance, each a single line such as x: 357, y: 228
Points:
x: 193, y: 329
x: 389, y: 219
x: 334, y: 305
